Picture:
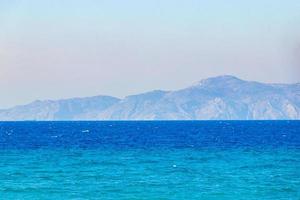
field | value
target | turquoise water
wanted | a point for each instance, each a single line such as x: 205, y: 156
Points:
x: 157, y: 174
x: 158, y: 171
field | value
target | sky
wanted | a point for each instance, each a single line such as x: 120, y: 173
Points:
x: 55, y: 49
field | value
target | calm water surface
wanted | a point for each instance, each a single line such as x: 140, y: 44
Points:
x: 150, y: 160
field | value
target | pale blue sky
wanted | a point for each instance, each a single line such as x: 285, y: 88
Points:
x: 55, y: 49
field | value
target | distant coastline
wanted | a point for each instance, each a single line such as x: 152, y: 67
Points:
x: 218, y: 98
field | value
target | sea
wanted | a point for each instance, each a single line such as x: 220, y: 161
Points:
x: 143, y: 160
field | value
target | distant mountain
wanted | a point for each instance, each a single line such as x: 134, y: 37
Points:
x: 222, y: 97
x: 67, y: 109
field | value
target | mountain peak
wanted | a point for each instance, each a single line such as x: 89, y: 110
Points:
x: 223, y: 78
x: 218, y: 80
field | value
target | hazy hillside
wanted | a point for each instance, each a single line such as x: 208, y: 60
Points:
x: 67, y: 109
x: 223, y: 97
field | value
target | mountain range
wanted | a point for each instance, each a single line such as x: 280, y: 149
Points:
x: 216, y: 98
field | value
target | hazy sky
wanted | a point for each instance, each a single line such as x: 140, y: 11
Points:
x: 51, y: 49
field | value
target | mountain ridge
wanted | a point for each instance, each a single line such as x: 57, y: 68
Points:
x: 217, y: 98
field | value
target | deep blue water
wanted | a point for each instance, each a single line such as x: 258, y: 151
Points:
x: 150, y: 160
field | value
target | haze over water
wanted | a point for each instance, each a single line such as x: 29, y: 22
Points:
x: 62, y: 49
